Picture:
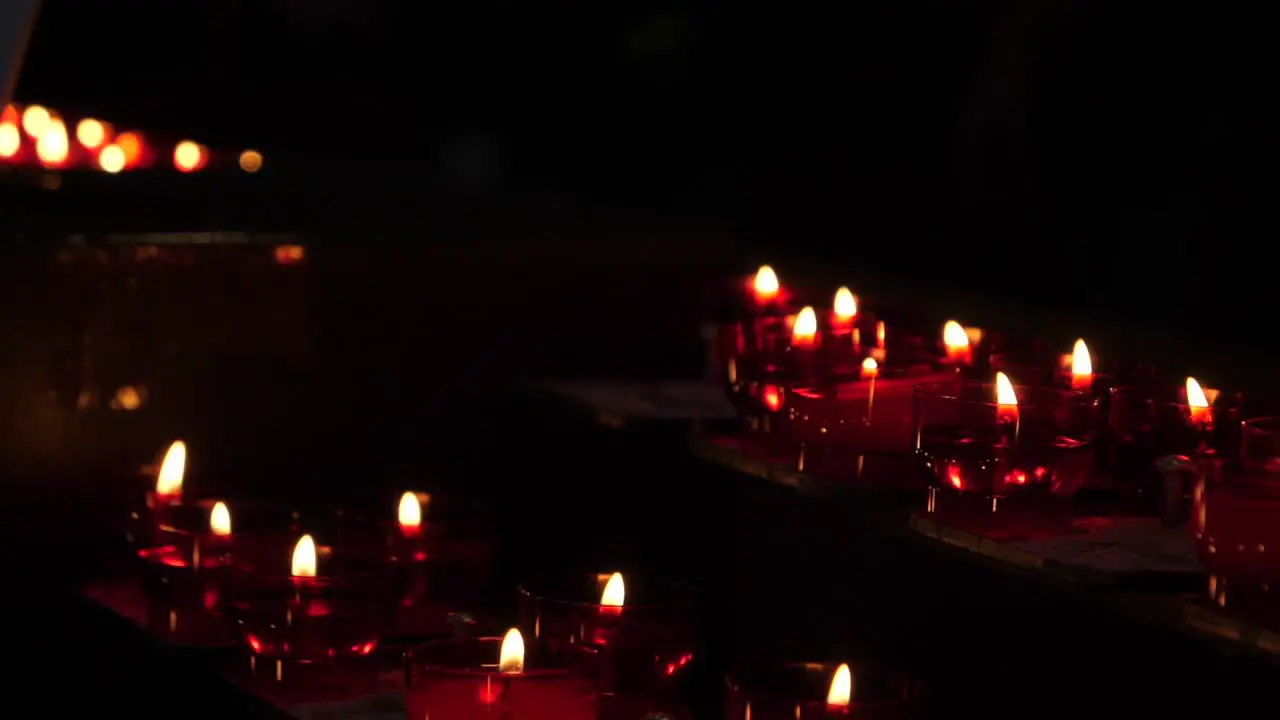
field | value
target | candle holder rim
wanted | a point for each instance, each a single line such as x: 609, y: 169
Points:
x: 412, y: 659
x: 947, y: 391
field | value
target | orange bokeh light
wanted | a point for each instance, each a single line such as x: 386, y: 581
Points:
x: 10, y: 140
x: 189, y: 156
x: 53, y: 148
x: 91, y: 133
x: 35, y: 120
x: 251, y: 161
x: 131, y: 144
x: 111, y: 159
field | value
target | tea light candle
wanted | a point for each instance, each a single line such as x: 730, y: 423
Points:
x: 1201, y: 410
x: 811, y: 691
x: 955, y: 343
x: 1007, y: 403
x: 495, y: 677
x: 765, y: 287
x: 1081, y: 367
x: 844, y: 313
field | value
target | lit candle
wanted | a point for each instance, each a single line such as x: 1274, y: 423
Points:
x: 765, y: 286
x: 771, y: 396
x: 844, y: 311
x: 454, y: 682
x: 878, y: 351
x: 870, y: 371
x: 1006, y: 403
x: 169, y: 480
x: 955, y: 342
x: 613, y: 596
x: 804, y: 331
x: 409, y: 515
x: 1081, y: 367
x: 1198, y: 403
x: 303, y: 565
x: 841, y: 691
x: 207, y: 547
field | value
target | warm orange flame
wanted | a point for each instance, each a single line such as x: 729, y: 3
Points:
x: 954, y: 336
x: 1195, y: 394
x: 409, y: 514
x: 188, y: 156
x: 846, y: 304
x: 304, y: 558
x: 10, y: 115
x: 251, y: 161
x: 615, y: 592
x: 35, y: 120
x: 1004, y: 391
x: 172, y: 468
x: 91, y: 133
x: 880, y: 334
x: 220, y: 520
x: 131, y: 144
x: 870, y: 368
x: 771, y: 396
x: 766, y: 284
x: 53, y: 147
x: 1081, y: 363
x: 10, y: 140
x: 841, y: 691
x: 805, y: 329
x: 111, y: 159
x: 511, y: 655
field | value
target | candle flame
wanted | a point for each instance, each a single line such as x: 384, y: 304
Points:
x: 1004, y: 391
x: 846, y: 304
x: 410, y: 511
x: 806, y: 325
x: 172, y: 468
x: 766, y: 283
x: 615, y: 591
x: 870, y: 368
x: 1196, y: 397
x: 511, y: 656
x: 304, y: 558
x: 220, y: 520
x: 772, y: 396
x: 954, y: 335
x: 1081, y: 363
x: 841, y: 691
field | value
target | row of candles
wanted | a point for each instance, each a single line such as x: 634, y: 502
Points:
x: 814, y: 384
x: 38, y: 131
x: 573, y: 655
x: 793, y: 376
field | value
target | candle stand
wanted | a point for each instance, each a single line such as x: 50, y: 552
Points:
x: 801, y: 691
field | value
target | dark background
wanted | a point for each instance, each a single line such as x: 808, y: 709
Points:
x: 1113, y: 159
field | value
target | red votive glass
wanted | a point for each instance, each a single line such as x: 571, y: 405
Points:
x: 462, y: 678
x: 297, y: 629
x: 983, y: 453
x: 644, y: 644
x: 1234, y: 521
x: 804, y: 691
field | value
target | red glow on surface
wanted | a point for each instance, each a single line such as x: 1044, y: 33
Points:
x: 132, y: 145
x: 255, y: 645
x: 954, y: 476
x: 674, y: 667
x: 1017, y: 477
x: 365, y: 648
x: 771, y: 396
x: 209, y: 598
x: 290, y: 254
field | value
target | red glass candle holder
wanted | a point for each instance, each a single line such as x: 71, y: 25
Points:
x: 460, y: 678
x: 1234, y: 521
x: 983, y: 456
x: 800, y: 691
x: 186, y: 594
x: 643, y: 645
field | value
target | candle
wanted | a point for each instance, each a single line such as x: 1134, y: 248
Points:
x: 955, y: 342
x: 812, y: 691
x: 870, y: 371
x: 212, y: 547
x: 804, y: 331
x: 765, y: 286
x: 488, y: 677
x: 168, y: 489
x: 1007, y: 403
x: 878, y: 351
x: 1201, y: 410
x: 1081, y: 367
x: 613, y: 596
x: 409, y: 515
x: 844, y: 311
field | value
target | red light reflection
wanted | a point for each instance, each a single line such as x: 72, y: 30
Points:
x: 771, y: 396
x: 954, y: 476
